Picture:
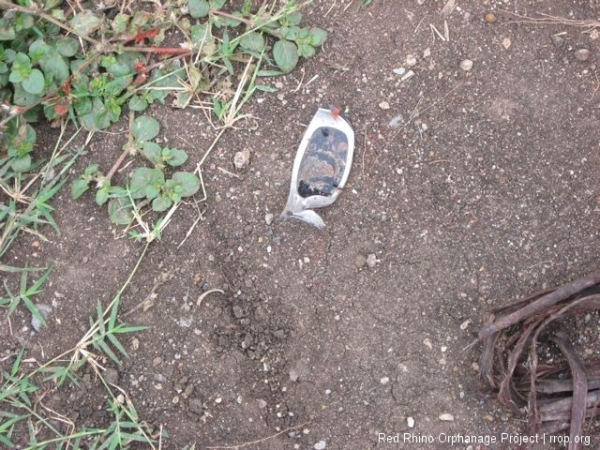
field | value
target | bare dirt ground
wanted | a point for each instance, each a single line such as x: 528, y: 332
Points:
x: 486, y: 191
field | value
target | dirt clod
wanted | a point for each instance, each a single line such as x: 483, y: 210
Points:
x: 490, y: 17
x: 241, y: 159
x: 360, y: 261
x: 582, y: 54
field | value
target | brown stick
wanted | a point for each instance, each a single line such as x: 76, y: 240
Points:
x: 540, y: 304
x: 580, y: 388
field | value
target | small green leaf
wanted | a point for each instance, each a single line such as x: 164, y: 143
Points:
x: 21, y: 164
x: 182, y: 99
x: 317, y: 37
x: 222, y: 21
x: 119, y: 23
x: 91, y: 169
x: 201, y: 35
x: 23, y: 98
x: 138, y: 103
x: 286, y: 55
x: 306, y: 51
x: 78, y: 188
x: 152, y: 151
x: 160, y: 203
x: 67, y: 46
x: 98, y: 118
x: 253, y: 41
x: 119, y: 210
x: 85, y: 23
x: 34, y: 84
x: 290, y: 33
x: 23, y: 21
x: 7, y: 31
x: 146, y: 181
x: 152, y: 191
x: 176, y: 157
x: 145, y: 128
x: 198, y: 8
x: 269, y: 73
x: 102, y: 195
x: 291, y: 19
x: 21, y: 68
x: 190, y: 183
x: 55, y: 67
x: 265, y: 88
x: 51, y: 4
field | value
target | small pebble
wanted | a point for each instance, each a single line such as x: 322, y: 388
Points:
x: 396, y: 122
x: 111, y: 376
x: 320, y: 445
x: 446, y: 417
x: 399, y: 71
x: 410, y: 422
x: 360, y: 261
x: 411, y: 60
x: 490, y: 17
x: 426, y: 53
x: 371, y: 260
x: 269, y: 218
x: 157, y: 361
x: 384, y: 381
x: 466, y: 65
x: 384, y: 105
x: 583, y: 54
x: 294, y: 375
x: 558, y: 40
x: 407, y: 75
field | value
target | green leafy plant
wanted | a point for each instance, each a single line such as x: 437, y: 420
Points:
x: 147, y: 186
x: 22, y: 417
x: 25, y: 294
